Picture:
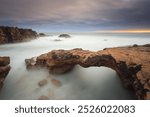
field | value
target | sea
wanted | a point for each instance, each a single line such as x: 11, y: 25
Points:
x: 93, y: 83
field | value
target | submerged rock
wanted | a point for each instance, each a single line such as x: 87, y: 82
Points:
x: 56, y: 82
x: 43, y: 97
x: 132, y: 64
x: 64, y: 36
x: 42, y: 82
x: 14, y: 34
x: 4, y: 69
x: 57, y: 40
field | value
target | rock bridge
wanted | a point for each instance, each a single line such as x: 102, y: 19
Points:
x: 130, y: 63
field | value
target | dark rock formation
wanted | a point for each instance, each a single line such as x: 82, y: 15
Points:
x: 14, y: 34
x: 4, y: 69
x: 42, y: 34
x: 64, y: 36
x: 132, y: 64
x: 135, y: 45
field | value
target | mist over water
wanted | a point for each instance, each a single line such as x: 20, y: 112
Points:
x: 81, y: 83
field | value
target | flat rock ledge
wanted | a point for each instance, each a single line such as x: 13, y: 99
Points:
x: 132, y: 64
x: 4, y: 69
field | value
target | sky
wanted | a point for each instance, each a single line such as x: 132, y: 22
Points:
x: 76, y: 15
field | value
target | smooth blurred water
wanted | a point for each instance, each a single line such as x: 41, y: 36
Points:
x: 81, y: 83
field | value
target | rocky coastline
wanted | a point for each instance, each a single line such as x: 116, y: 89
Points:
x: 4, y: 69
x: 15, y: 34
x: 130, y: 63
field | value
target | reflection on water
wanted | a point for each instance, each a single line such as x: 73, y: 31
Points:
x: 81, y: 83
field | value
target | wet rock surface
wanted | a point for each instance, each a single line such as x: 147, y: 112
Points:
x: 15, y: 34
x: 4, y: 69
x: 131, y: 63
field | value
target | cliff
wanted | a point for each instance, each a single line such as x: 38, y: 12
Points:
x: 132, y: 64
x: 4, y: 69
x: 14, y: 34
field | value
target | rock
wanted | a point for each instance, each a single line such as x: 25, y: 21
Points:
x: 56, y: 83
x: 4, y: 69
x: 4, y: 61
x: 14, y: 34
x: 57, y: 40
x: 135, y: 45
x: 148, y: 95
x: 147, y: 45
x: 132, y: 64
x: 30, y: 62
x: 60, y: 69
x: 42, y: 34
x: 42, y: 82
x: 43, y: 97
x: 64, y: 36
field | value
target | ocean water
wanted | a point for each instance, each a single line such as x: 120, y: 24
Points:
x: 81, y: 83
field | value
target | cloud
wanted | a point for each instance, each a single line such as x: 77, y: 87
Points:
x: 92, y: 14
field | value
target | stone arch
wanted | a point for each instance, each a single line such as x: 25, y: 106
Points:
x: 62, y: 61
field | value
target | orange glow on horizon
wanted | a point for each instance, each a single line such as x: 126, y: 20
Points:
x: 132, y: 31
x: 126, y: 31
